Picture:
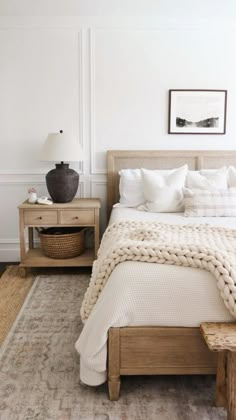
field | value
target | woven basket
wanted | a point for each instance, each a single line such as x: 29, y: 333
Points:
x: 62, y: 243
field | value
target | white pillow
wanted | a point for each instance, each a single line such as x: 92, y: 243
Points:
x: 207, y: 179
x: 163, y: 190
x: 204, y: 203
x: 232, y: 176
x: 131, y: 188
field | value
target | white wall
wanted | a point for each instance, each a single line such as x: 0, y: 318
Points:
x: 103, y: 76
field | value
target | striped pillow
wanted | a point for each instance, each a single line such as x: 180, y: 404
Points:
x: 204, y: 203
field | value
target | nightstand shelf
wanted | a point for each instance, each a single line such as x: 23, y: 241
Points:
x: 35, y: 258
x: 81, y: 212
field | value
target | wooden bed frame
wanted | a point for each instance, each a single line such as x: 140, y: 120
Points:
x: 161, y: 350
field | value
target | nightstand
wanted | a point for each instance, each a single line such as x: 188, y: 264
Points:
x: 81, y: 212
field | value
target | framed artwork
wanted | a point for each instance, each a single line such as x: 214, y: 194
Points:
x: 197, y: 111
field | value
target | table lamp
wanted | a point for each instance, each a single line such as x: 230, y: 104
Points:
x: 62, y: 182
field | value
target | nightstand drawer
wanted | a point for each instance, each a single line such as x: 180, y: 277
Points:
x: 40, y: 217
x: 76, y: 217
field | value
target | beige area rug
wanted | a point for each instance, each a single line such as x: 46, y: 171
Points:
x: 39, y: 369
x: 13, y: 290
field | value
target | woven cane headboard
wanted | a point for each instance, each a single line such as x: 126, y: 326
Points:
x: 160, y: 159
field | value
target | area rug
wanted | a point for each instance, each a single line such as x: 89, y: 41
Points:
x: 39, y: 369
x: 13, y: 290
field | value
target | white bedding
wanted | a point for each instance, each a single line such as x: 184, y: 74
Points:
x: 138, y: 293
x: 125, y: 213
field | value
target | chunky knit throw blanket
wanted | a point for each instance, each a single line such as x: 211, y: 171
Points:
x: 199, y: 246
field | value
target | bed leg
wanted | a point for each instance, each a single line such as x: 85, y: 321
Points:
x: 114, y: 364
x: 114, y: 388
x: 220, y: 397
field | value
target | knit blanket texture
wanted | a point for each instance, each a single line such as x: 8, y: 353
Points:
x: 192, y: 245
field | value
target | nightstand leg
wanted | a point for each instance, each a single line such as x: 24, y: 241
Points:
x: 31, y: 237
x: 23, y: 272
x: 22, y: 236
x: 96, y: 233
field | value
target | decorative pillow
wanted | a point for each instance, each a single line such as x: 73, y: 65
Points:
x: 203, y: 203
x: 163, y: 190
x: 232, y: 176
x: 208, y: 179
x: 131, y: 188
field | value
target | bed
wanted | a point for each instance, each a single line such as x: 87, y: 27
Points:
x: 163, y: 348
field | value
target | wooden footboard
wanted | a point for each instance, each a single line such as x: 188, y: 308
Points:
x: 156, y: 351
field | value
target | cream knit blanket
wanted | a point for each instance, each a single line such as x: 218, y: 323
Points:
x: 199, y: 246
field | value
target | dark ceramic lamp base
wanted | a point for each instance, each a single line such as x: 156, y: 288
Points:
x: 62, y: 183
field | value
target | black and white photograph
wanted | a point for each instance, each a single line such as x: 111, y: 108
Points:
x: 197, y: 111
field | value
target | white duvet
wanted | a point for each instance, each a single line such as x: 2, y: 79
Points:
x: 138, y: 293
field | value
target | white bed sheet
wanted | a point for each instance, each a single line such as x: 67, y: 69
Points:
x: 139, y: 293
x: 126, y: 213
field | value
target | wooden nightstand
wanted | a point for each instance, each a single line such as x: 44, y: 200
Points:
x: 81, y: 212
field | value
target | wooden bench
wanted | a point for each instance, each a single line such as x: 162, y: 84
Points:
x: 221, y: 337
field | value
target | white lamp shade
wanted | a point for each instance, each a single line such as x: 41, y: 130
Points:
x: 60, y: 147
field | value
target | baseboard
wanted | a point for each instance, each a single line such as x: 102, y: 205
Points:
x: 10, y: 249
x: 9, y: 255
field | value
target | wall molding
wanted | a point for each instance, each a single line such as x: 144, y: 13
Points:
x: 12, y: 182
x: 10, y: 254
x: 81, y: 93
x: 81, y: 189
x: 15, y: 241
x: 97, y: 182
x: 26, y: 182
x: 80, y: 194
x: 80, y: 123
x: 148, y: 22
x: 10, y: 249
x: 93, y: 169
x: 92, y: 70
x: 29, y: 172
x: 9, y: 241
x: 22, y: 172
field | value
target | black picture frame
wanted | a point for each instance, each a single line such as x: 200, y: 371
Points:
x: 197, y: 111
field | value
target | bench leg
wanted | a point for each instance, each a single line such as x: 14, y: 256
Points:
x: 220, y: 396
x: 231, y: 386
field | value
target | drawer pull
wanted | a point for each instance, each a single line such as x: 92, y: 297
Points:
x: 76, y: 217
x: 40, y: 217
